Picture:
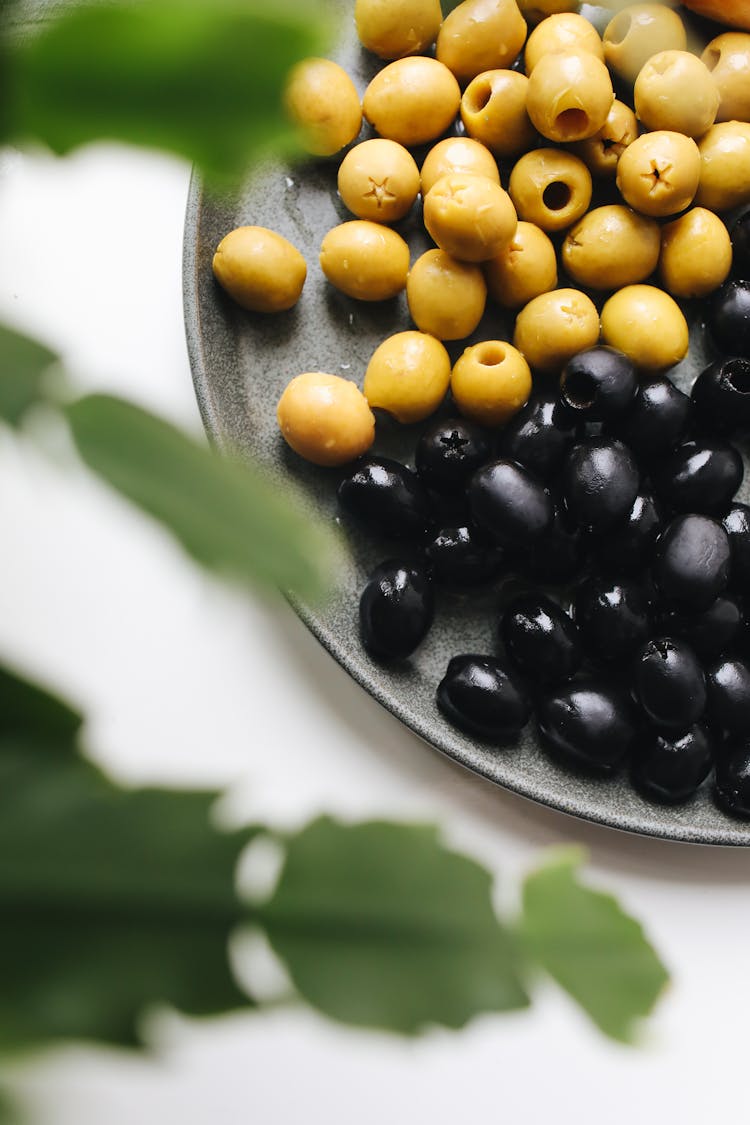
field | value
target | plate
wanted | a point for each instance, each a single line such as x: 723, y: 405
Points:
x: 241, y: 363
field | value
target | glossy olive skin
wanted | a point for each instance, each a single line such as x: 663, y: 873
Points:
x: 560, y: 555
x: 386, y: 498
x: 628, y: 547
x: 510, y: 504
x: 711, y: 631
x: 613, y: 618
x: 692, y: 561
x: 539, y: 435
x: 669, y: 769
x: 478, y: 695
x: 729, y: 318
x: 598, y: 384
x: 588, y: 724
x: 733, y: 778
x: 396, y: 610
x: 728, y: 684
x: 700, y: 476
x: 459, y: 556
x: 540, y: 639
x: 657, y: 419
x: 600, y: 481
x: 741, y: 246
x: 669, y: 683
x: 721, y: 394
x: 736, y: 523
x: 449, y: 451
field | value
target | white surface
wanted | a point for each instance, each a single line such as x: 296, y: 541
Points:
x: 187, y: 683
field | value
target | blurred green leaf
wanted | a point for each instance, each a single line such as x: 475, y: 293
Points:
x: 224, y: 513
x: 379, y: 924
x: 27, y: 711
x: 591, y: 947
x: 23, y: 366
x: 202, y: 78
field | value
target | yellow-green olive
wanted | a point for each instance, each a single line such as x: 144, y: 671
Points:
x: 412, y: 100
x: 566, y: 31
x: 393, y: 29
x: 728, y: 58
x: 493, y: 110
x: 658, y: 173
x: 365, y: 260
x: 457, y: 154
x: 446, y: 297
x: 470, y: 217
x: 569, y: 96
x: 378, y: 180
x: 534, y: 11
x: 696, y: 254
x: 259, y: 269
x: 322, y: 100
x: 524, y: 269
x: 490, y: 382
x: 554, y: 327
x: 724, y: 166
x: 550, y: 188
x: 408, y: 376
x: 601, y: 153
x: 611, y: 247
x: 674, y: 90
x: 646, y: 324
x: 326, y: 419
x: 638, y: 32
x: 480, y: 35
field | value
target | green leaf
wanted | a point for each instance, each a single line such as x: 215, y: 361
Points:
x: 23, y: 366
x: 379, y: 924
x: 595, y: 951
x: 28, y: 711
x: 202, y: 78
x: 225, y: 514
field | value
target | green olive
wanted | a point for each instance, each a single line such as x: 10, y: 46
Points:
x: 490, y: 382
x: 569, y: 96
x: 325, y: 419
x: 457, y: 154
x: 696, y: 254
x: 724, y: 154
x: 550, y: 188
x: 480, y: 35
x: 493, y: 110
x: 675, y: 90
x: 365, y: 260
x: 394, y: 29
x: 658, y: 173
x: 470, y: 217
x: 601, y: 153
x: 638, y: 32
x: 446, y: 297
x: 259, y: 269
x: 554, y: 327
x: 728, y: 58
x: 611, y: 247
x: 524, y: 269
x: 566, y: 31
x: 322, y: 100
x: 412, y: 100
x: 408, y: 375
x: 378, y: 180
x: 646, y: 324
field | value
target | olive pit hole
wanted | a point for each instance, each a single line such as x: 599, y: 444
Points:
x: 556, y: 196
x: 579, y: 390
x: 737, y: 375
x: 571, y: 123
x: 480, y: 97
x: 619, y: 28
x: 490, y: 355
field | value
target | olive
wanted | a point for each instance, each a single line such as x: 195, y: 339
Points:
x: 721, y: 394
x: 737, y: 526
x: 670, y: 769
x: 733, y: 778
x: 657, y: 419
x: 629, y: 546
x: 598, y: 384
x: 540, y: 639
x: 539, y: 435
x: 612, y: 617
x: 459, y: 556
x: 729, y: 696
x: 669, y: 683
x: 449, y: 451
x: 741, y: 245
x: 692, y: 561
x: 387, y: 498
x: 509, y: 503
x: 729, y: 318
x: 600, y: 481
x: 589, y: 724
x: 559, y: 555
x: 481, y: 697
x: 396, y: 609
x: 700, y: 476
x: 709, y: 632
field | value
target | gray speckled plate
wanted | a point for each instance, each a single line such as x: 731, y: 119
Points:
x: 241, y: 362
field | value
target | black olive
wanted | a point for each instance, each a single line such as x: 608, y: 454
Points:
x: 741, y: 246
x: 612, y: 617
x: 733, y: 778
x: 721, y: 394
x: 669, y: 683
x: 459, y: 556
x: 478, y: 695
x: 449, y: 451
x: 539, y: 435
x: 692, y: 561
x: 560, y: 554
x: 600, y: 481
x: 386, y: 498
x: 396, y: 610
x: 540, y: 639
x: 729, y: 696
x: 588, y: 724
x: 628, y: 547
x: 700, y: 477
x: 729, y: 318
x: 736, y: 523
x: 670, y: 768
x: 598, y: 384
x: 657, y: 419
x: 510, y: 504
x: 709, y: 632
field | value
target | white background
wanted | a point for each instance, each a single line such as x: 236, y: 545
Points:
x: 188, y: 684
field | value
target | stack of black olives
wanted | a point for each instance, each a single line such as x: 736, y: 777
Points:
x: 611, y: 500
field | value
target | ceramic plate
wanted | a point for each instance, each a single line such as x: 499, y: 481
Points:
x: 241, y: 362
